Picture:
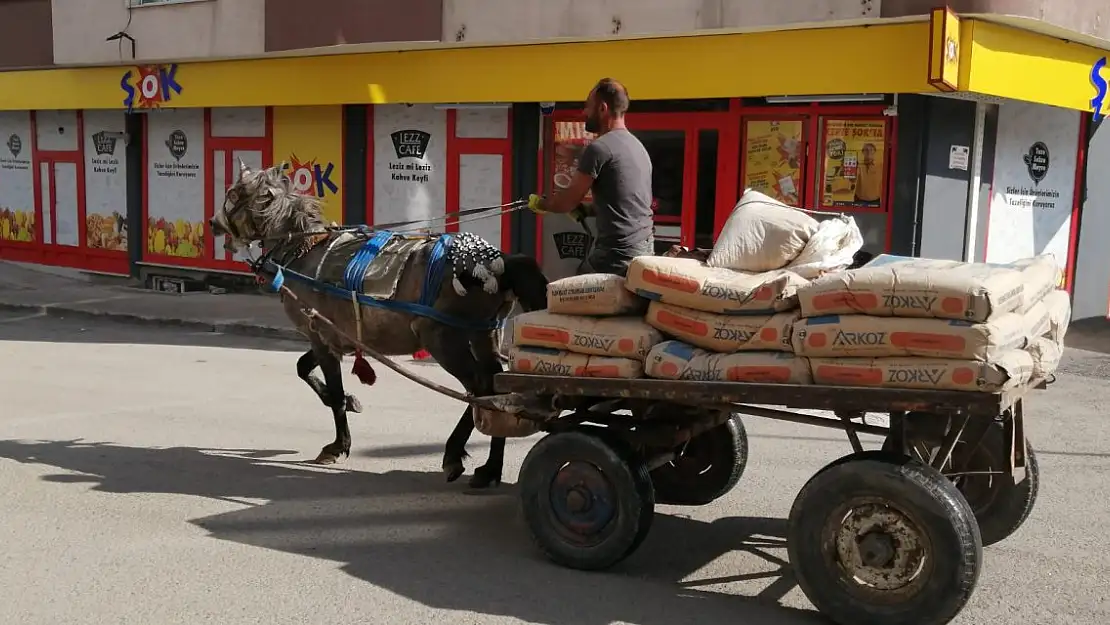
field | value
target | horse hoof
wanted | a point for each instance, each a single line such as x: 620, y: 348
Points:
x: 353, y: 404
x: 326, y: 458
x: 481, y: 480
x: 453, y: 473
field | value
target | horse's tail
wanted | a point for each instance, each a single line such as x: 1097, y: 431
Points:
x: 523, y: 276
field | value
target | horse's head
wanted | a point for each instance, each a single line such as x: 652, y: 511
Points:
x: 260, y: 206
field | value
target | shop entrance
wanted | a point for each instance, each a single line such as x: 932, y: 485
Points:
x: 61, y: 210
x: 224, y: 156
x: 689, y: 151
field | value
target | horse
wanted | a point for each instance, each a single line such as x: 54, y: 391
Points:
x: 463, y: 304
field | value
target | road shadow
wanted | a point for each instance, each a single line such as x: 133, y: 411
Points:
x: 416, y: 536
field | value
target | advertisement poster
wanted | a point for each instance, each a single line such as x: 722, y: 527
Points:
x: 410, y: 162
x: 175, y: 183
x: 17, y: 179
x: 571, y: 140
x: 105, y: 181
x: 854, y: 172
x: 773, y: 159
x: 310, y: 141
x: 1034, y: 183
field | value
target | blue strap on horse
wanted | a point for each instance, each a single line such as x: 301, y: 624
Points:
x: 356, y: 272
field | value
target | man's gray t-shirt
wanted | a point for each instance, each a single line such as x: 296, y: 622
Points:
x: 621, y: 169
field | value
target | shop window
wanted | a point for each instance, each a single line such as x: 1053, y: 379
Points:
x: 773, y: 160
x: 853, y: 174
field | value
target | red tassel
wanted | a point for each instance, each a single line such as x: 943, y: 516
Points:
x: 363, y: 371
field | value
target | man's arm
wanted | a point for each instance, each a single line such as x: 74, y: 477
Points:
x: 593, y: 159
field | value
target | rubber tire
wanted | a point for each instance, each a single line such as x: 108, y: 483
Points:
x: 940, y: 511
x: 635, y: 502
x: 729, y: 442
x: 1014, y: 502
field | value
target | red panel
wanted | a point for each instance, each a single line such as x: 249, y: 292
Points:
x: 1077, y: 203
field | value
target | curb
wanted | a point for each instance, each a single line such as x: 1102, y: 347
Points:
x: 237, y: 328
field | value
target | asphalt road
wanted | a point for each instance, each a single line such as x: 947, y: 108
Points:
x: 151, y: 475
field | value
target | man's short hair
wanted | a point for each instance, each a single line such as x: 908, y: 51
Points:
x: 613, y: 93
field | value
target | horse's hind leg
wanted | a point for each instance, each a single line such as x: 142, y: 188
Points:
x: 305, y: 365
x: 451, y: 349
x: 333, y: 378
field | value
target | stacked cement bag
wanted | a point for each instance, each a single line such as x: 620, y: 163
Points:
x: 593, y: 327
x: 933, y: 324
x: 733, y: 315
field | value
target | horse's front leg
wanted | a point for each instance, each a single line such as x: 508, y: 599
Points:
x: 488, y: 365
x: 330, y: 365
x: 305, y: 365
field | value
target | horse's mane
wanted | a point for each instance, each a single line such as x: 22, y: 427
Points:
x: 279, y: 210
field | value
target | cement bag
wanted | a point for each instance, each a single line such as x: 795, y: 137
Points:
x: 689, y: 283
x: 675, y: 360
x: 831, y: 248
x: 545, y: 361
x: 761, y: 234
x: 723, y: 333
x: 593, y: 294
x: 502, y: 424
x: 1058, y: 305
x: 1041, y: 275
x: 624, y: 337
x: 898, y: 286
x: 1010, y: 370
x: 1037, y: 322
x: 1046, y: 355
x: 861, y: 336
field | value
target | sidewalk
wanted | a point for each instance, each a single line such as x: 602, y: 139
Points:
x: 67, y: 293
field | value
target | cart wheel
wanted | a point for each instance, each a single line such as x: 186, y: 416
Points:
x: 706, y: 469
x: 587, y: 505
x: 1000, y: 505
x: 879, y: 538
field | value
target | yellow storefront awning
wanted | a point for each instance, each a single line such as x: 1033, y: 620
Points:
x: 1007, y: 62
x: 882, y: 57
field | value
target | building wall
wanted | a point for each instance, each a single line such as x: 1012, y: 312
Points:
x: 515, y: 20
x: 951, y: 124
x: 292, y: 24
x: 25, y: 34
x: 1092, y: 276
x: 175, y: 31
x: 1083, y: 16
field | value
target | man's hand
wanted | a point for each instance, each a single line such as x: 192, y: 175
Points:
x: 535, y: 204
x: 581, y: 212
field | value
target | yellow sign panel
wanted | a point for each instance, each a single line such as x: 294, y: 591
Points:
x: 944, y: 50
x: 655, y: 68
x: 853, y: 163
x: 773, y: 158
x: 309, y: 139
x: 1011, y: 63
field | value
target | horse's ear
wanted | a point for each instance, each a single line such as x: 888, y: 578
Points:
x: 243, y: 169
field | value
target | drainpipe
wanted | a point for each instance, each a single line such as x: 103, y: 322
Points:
x: 972, y: 213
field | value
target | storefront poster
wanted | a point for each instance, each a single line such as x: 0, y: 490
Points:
x: 309, y: 139
x: 105, y: 181
x: 17, y: 179
x: 1034, y: 182
x: 175, y: 183
x: 853, y: 168
x: 571, y: 140
x: 773, y: 159
x: 410, y: 163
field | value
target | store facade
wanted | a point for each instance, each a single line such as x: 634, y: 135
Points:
x: 118, y: 169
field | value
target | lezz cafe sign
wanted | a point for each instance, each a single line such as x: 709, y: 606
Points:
x: 311, y: 177
x: 149, y: 86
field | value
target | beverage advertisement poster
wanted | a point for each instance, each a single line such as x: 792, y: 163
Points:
x: 571, y: 140
x: 773, y: 158
x: 853, y: 175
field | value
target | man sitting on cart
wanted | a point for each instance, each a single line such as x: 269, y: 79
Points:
x: 616, y: 168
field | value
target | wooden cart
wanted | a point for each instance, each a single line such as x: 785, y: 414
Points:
x: 889, y: 536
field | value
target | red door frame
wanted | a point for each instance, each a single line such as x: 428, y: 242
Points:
x: 730, y: 127
x: 457, y: 147
x: 229, y: 145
